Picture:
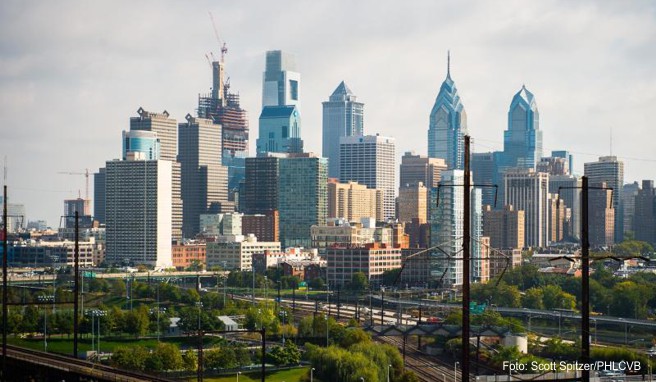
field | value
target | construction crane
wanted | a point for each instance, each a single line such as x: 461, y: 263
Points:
x: 222, y: 44
x: 86, y: 176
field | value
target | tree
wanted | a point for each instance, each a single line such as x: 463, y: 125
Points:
x: 190, y: 360
x: 359, y: 282
x: 220, y: 358
x: 130, y: 358
x: 170, y: 356
x: 118, y: 287
x: 354, y: 336
x: 137, y: 321
x: 532, y: 298
x: 284, y: 355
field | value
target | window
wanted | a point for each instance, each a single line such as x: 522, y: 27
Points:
x: 293, y: 90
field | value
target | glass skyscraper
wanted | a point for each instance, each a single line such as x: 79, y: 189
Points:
x: 522, y: 142
x: 342, y: 117
x: 280, y: 120
x: 141, y: 141
x: 448, y: 125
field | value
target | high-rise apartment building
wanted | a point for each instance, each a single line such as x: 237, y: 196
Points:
x: 447, y: 226
x: 567, y: 156
x: 553, y: 166
x: 280, y: 120
x: 370, y: 160
x: 645, y: 213
x: 166, y: 129
x: 611, y: 171
x: 448, y: 125
x: 373, y: 260
x: 138, y: 212
x: 418, y: 168
x: 342, y: 117
x: 505, y: 228
x: 528, y: 191
x: 82, y: 207
x: 353, y: 201
x: 204, y: 178
x: 601, y: 216
x: 412, y: 203
x: 223, y: 107
x: 558, y: 219
x: 302, y: 185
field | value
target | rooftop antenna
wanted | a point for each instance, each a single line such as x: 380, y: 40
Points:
x: 448, y: 63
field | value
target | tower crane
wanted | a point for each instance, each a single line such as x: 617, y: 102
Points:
x: 86, y: 176
x: 222, y: 44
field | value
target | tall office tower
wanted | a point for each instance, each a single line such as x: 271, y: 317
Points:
x: 167, y: 131
x: 144, y: 142
x: 629, y: 193
x: 138, y: 212
x: 82, y: 207
x: 567, y: 156
x: 370, y: 160
x: 342, y: 117
x: 611, y: 171
x: 602, y: 216
x: 522, y: 142
x: 280, y: 120
x: 528, y: 190
x: 645, y: 213
x: 553, y: 166
x: 223, y: 107
x: 302, y: 197
x: 505, y: 227
x: 412, y: 203
x: 448, y: 125
x: 353, y: 201
x: 568, y: 189
x: 483, y: 167
x: 261, y: 184
x: 447, y: 224
x: 417, y: 168
x: 204, y: 178
x: 99, y: 196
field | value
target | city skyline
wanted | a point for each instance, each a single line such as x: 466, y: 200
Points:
x: 77, y: 83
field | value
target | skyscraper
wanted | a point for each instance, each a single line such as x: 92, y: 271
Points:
x: 611, y: 171
x: 99, y: 195
x: 138, y: 212
x: 629, y: 193
x: 167, y: 131
x: 418, y: 168
x: 280, y: 120
x: 447, y: 225
x: 602, y: 216
x: 223, y: 107
x: 483, y: 167
x: 528, y: 190
x: 204, y: 178
x: 261, y: 184
x: 302, y: 198
x: 354, y: 201
x: 522, y: 142
x: 370, y: 160
x: 448, y: 125
x: 568, y: 189
x: 144, y: 142
x: 645, y: 213
x: 412, y: 203
x: 342, y: 117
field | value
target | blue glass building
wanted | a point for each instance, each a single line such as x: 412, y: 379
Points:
x: 141, y: 141
x: 448, y: 125
x: 280, y: 130
x: 522, y: 142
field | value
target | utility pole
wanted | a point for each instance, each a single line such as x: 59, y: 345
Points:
x: 4, y: 281
x: 465, y: 265
x: 585, y: 280
x: 76, y: 313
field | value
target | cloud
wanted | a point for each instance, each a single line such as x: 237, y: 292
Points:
x: 73, y: 72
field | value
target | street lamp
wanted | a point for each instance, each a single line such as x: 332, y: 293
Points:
x: 455, y: 371
x: 312, y: 375
x: 388, y: 372
x: 239, y: 372
x: 44, y: 299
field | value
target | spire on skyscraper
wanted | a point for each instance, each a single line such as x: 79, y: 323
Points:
x: 448, y: 64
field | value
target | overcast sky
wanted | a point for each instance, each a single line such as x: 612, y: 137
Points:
x: 72, y: 73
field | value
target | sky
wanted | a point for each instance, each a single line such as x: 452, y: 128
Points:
x: 72, y: 73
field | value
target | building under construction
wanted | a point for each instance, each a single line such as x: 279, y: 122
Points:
x: 223, y: 108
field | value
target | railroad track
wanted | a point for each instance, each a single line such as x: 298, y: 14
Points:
x: 78, y: 366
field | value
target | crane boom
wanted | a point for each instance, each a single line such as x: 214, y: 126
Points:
x: 222, y: 44
x: 86, y: 175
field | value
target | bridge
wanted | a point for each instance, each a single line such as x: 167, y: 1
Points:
x: 32, y: 365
